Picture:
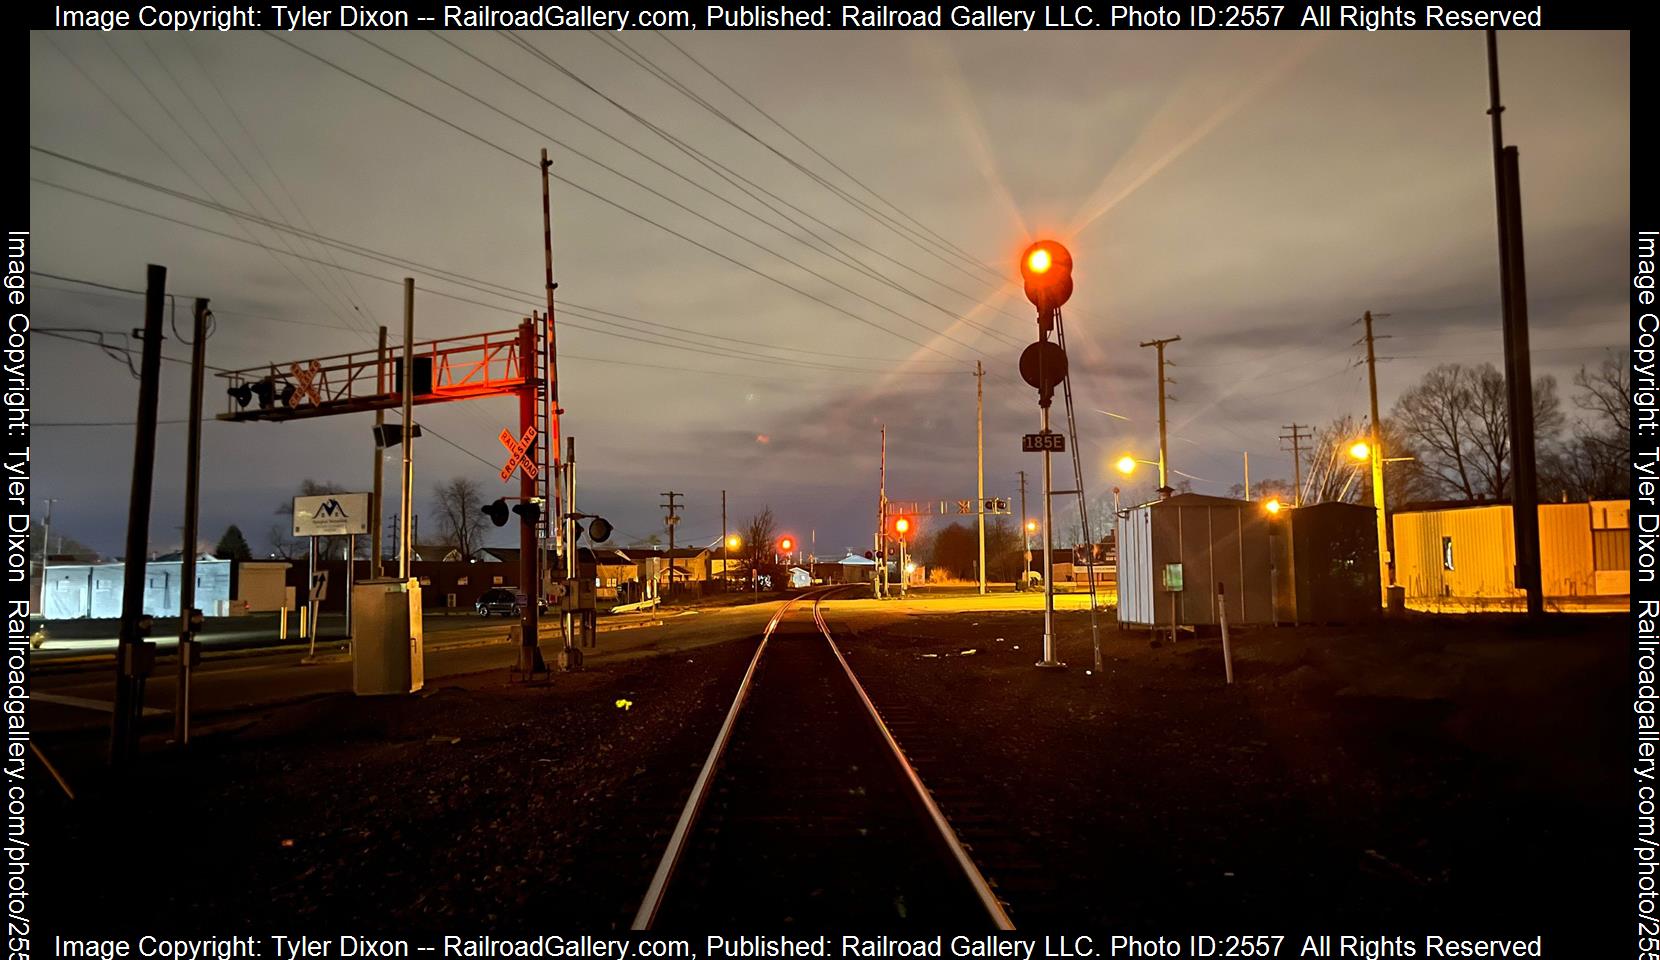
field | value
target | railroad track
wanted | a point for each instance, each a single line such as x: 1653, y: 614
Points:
x: 806, y: 813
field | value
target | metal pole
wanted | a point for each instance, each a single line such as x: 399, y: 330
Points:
x: 351, y: 565
x: 135, y: 655
x: 1247, y: 474
x: 980, y: 446
x: 725, y: 570
x: 1048, y: 561
x: 376, y: 569
x: 553, y: 347
x: 192, y: 494
x: 1517, y: 364
x: 46, y: 539
x: 572, y: 658
x: 406, y: 502
x: 1222, y: 616
x: 882, y: 519
x: 1386, y: 561
x: 530, y: 651
x: 311, y: 595
x: 1164, y: 445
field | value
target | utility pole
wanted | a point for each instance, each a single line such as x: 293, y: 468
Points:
x: 1025, y: 538
x: 552, y: 440
x: 1518, y: 363
x: 192, y: 500
x: 882, y: 521
x: 1247, y: 473
x: 980, y: 448
x: 1386, y: 548
x: 406, y: 498
x: 376, y: 567
x: 46, y: 538
x: 1299, y: 433
x: 135, y: 655
x: 672, y: 519
x: 1164, y: 446
x: 725, y: 569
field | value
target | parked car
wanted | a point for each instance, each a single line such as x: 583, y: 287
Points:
x: 504, y: 602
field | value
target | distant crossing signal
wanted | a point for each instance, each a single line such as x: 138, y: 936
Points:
x: 785, y: 544
x: 528, y: 510
x: 497, y: 512
x: 901, y: 527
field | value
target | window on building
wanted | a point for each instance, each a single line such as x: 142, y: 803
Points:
x: 495, y: 581
x: 460, y: 582
x: 1446, y: 553
x: 1611, y: 549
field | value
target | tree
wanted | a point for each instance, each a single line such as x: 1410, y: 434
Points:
x: 954, y: 548
x: 233, y: 546
x: 1458, y: 419
x: 62, y: 545
x: 460, y: 515
x: 1595, y: 462
x: 758, y: 540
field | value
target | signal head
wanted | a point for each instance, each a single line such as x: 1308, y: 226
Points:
x: 497, y: 512
x: 529, y: 510
x: 1046, y: 266
x: 786, y: 544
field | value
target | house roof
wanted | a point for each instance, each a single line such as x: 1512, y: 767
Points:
x: 854, y: 560
x: 678, y: 553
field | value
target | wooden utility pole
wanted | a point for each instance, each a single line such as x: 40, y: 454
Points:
x: 980, y: 460
x: 1025, y: 538
x: 1298, y: 434
x: 1164, y: 444
x: 406, y: 494
x: 376, y: 568
x: 135, y: 656
x: 725, y: 568
x: 1518, y: 363
x: 192, y: 499
x: 1386, y: 550
x: 671, y: 520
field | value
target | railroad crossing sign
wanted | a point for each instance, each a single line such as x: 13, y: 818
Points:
x: 516, y: 450
x: 305, y: 378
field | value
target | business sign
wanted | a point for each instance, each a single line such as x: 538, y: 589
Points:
x: 331, y: 515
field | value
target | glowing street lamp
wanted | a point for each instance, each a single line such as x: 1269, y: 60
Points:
x: 1361, y: 450
x: 1031, y: 527
x: 734, y: 542
x: 1127, y: 464
x: 1273, y: 506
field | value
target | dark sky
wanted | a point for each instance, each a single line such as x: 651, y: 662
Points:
x: 1252, y: 193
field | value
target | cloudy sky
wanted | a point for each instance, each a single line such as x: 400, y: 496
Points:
x: 810, y: 272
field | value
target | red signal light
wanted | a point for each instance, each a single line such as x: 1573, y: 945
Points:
x: 1046, y: 266
x: 901, y: 526
x: 786, y: 544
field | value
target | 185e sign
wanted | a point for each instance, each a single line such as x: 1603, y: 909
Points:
x: 1046, y: 442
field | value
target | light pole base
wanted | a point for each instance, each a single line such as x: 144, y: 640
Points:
x: 1050, y: 665
x: 570, y: 659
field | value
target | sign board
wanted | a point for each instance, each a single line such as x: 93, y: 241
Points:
x: 1046, y: 442
x: 516, y: 450
x: 331, y: 515
x: 1173, y: 577
x: 912, y: 508
x: 319, y: 586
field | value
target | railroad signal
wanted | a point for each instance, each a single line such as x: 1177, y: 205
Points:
x: 1046, y: 266
x: 1043, y: 365
x: 528, y: 510
x: 785, y: 544
x: 497, y: 512
x: 901, y: 527
x: 599, y: 530
x: 242, y: 393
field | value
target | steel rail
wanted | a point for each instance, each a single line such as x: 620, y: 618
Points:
x: 653, y: 902
x: 982, y: 889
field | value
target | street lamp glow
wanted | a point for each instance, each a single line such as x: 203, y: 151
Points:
x: 1031, y: 526
x: 1126, y: 465
x: 733, y: 543
x: 1361, y: 450
x: 1040, y: 261
x: 1272, y: 506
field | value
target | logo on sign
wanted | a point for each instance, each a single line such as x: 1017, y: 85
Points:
x: 330, y: 510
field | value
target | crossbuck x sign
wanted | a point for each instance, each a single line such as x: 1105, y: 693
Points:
x: 516, y: 450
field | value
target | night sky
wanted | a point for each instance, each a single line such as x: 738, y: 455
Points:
x: 1252, y: 193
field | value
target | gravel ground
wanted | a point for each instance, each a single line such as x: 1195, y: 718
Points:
x: 1440, y: 776
x: 474, y: 806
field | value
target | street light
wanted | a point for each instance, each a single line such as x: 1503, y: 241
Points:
x: 1273, y: 506
x: 733, y: 542
x: 1127, y: 464
x: 1361, y: 450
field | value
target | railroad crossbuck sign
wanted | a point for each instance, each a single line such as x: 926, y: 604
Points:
x: 305, y: 378
x: 516, y: 450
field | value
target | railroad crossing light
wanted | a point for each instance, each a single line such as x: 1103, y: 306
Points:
x: 242, y: 393
x: 1360, y: 451
x: 785, y: 544
x: 497, y: 512
x: 528, y: 510
x: 901, y: 527
x: 1046, y: 266
x: 266, y: 390
x: 287, y: 394
x: 869, y: 555
x: 599, y: 530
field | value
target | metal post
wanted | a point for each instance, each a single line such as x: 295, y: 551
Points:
x: 1048, y: 561
x: 192, y: 494
x: 725, y: 570
x: 309, y: 626
x: 1247, y: 474
x: 553, y: 409
x: 375, y: 567
x: 882, y: 520
x: 1164, y: 446
x: 980, y: 447
x: 135, y: 655
x: 351, y: 564
x: 1222, y: 616
x: 46, y: 540
x: 530, y: 651
x: 571, y: 659
x: 406, y: 504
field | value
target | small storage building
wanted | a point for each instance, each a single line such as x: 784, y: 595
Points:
x: 1326, y: 563
x: 1196, y: 542
x: 1467, y: 551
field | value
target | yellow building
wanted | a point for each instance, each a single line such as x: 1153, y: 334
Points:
x: 1466, y: 553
